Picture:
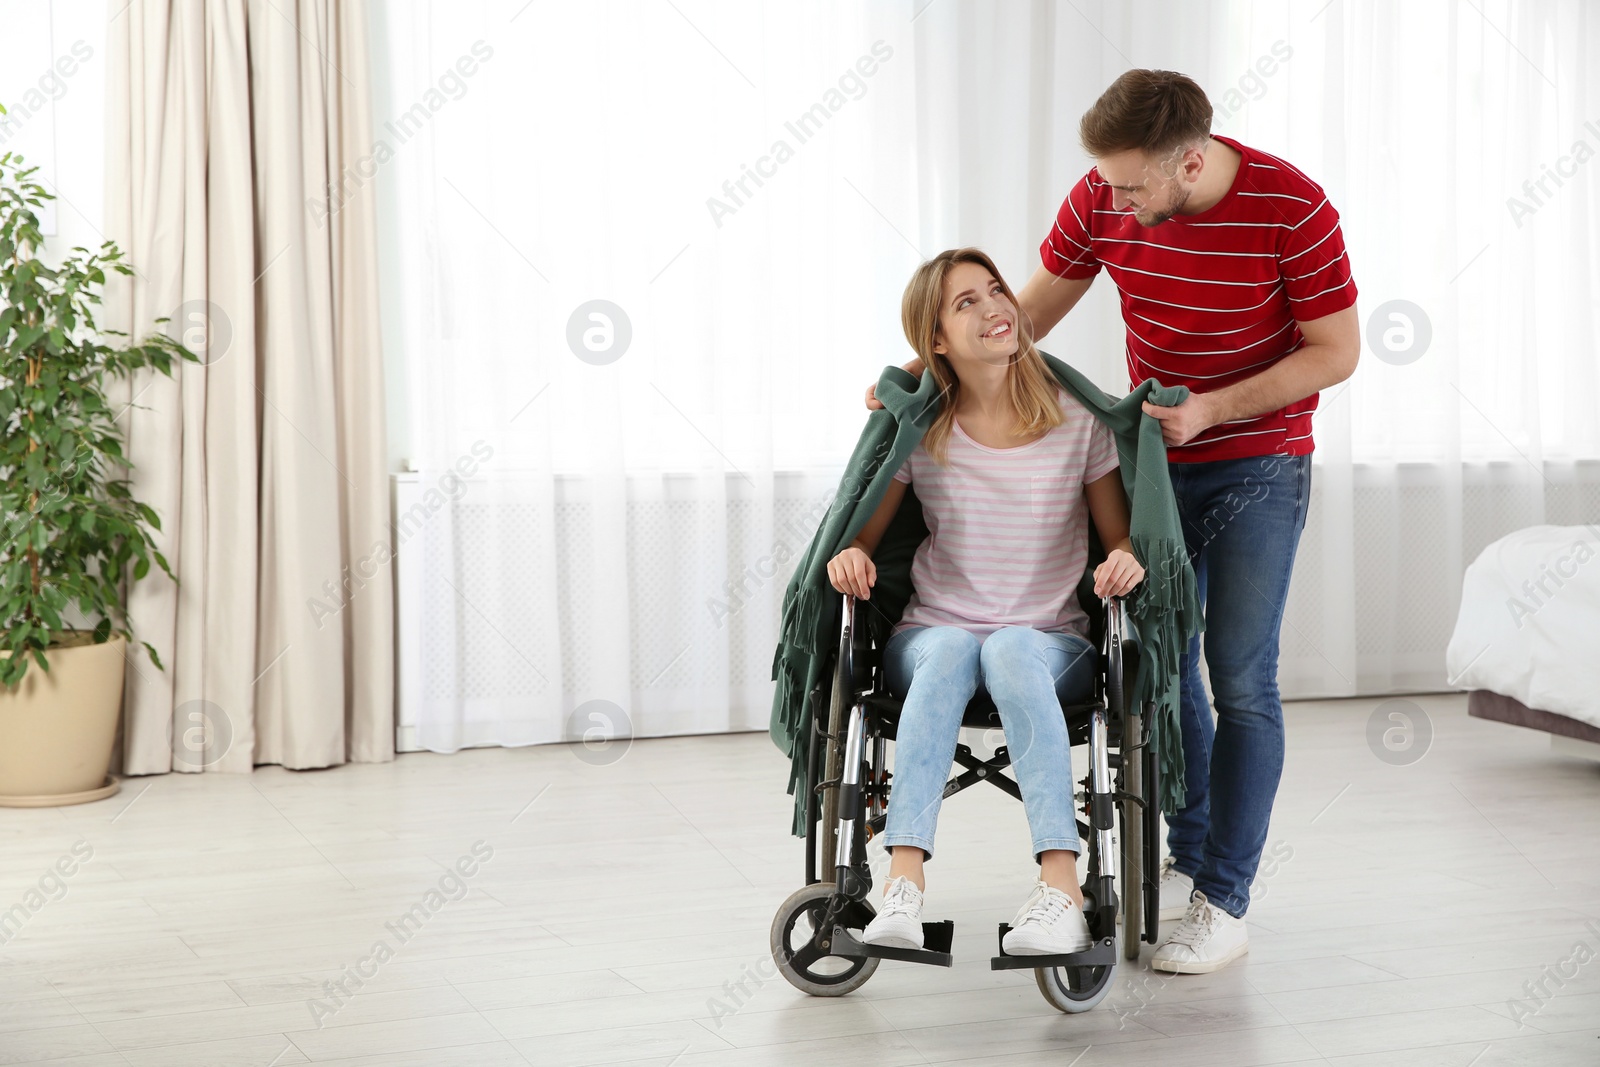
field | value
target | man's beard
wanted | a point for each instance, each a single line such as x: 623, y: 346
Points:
x: 1181, y: 199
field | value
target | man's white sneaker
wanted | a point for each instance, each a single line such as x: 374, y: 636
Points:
x: 1048, y: 924
x: 899, y: 921
x: 1207, y: 940
x: 1176, y: 888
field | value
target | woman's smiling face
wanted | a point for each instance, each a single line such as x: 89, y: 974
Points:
x: 977, y: 320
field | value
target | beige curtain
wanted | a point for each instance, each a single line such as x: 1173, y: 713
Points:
x: 229, y: 123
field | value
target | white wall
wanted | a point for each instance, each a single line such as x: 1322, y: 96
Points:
x: 55, y: 98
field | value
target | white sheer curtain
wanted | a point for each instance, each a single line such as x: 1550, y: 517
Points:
x: 589, y: 557
x: 1423, y: 121
x: 615, y: 559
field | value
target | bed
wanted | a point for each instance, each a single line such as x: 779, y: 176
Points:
x: 1526, y: 645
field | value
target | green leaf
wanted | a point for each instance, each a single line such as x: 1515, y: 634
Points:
x: 71, y: 531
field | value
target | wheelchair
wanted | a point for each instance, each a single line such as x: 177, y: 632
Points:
x: 815, y: 934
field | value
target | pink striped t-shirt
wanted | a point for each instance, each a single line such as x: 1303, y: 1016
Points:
x: 1008, y: 535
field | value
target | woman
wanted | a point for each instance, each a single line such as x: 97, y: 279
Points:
x: 1005, y: 474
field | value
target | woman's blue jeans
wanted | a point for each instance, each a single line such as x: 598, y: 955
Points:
x: 1028, y: 674
x: 1241, y: 521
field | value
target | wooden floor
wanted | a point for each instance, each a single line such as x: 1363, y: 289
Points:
x: 622, y: 913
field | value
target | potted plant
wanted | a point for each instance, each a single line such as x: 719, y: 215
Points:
x: 72, y: 533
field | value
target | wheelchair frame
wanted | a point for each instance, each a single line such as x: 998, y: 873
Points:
x: 850, y: 788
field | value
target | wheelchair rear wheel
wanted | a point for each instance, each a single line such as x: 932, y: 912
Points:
x: 1133, y: 873
x: 831, y: 738
x: 792, y: 929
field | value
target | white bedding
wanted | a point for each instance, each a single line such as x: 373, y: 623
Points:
x: 1529, y: 625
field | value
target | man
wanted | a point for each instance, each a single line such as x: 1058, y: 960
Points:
x: 1234, y: 281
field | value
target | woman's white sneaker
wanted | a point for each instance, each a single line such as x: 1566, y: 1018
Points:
x: 1176, y: 888
x: 899, y: 921
x: 1207, y: 940
x: 1048, y: 924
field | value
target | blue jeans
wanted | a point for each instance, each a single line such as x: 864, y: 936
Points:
x: 1241, y: 522
x: 1028, y: 674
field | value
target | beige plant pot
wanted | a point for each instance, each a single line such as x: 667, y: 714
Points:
x: 57, y: 728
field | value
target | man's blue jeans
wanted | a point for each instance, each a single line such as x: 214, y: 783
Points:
x: 1028, y: 674
x: 1241, y: 521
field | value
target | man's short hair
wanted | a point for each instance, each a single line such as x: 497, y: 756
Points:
x: 1154, y: 110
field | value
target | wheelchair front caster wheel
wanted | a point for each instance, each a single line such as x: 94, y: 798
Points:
x: 819, y: 975
x: 1075, y: 989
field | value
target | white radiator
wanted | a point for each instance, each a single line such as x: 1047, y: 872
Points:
x: 1399, y: 546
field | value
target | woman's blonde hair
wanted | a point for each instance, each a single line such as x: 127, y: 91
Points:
x: 1029, y: 383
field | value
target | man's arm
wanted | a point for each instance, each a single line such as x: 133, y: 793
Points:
x: 1048, y: 297
x: 1329, y: 356
x: 1044, y: 301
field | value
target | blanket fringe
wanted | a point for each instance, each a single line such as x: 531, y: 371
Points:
x: 1151, y: 612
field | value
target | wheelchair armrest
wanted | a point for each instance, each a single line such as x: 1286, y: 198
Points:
x: 1115, y: 615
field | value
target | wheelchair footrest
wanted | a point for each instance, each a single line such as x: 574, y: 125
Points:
x: 1099, y: 954
x: 936, y: 938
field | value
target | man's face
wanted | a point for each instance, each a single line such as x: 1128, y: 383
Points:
x: 1152, y: 189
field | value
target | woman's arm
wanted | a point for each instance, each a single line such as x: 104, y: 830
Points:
x: 1108, y: 507
x: 851, y: 571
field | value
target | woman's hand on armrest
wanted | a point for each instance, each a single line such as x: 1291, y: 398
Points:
x: 873, y: 403
x: 851, y: 571
x: 1108, y: 507
x: 1118, y: 574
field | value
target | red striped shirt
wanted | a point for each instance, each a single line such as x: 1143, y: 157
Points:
x: 1215, y: 298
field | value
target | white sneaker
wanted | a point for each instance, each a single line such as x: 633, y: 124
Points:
x: 899, y: 921
x: 1176, y: 887
x: 1207, y: 940
x: 1048, y: 924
